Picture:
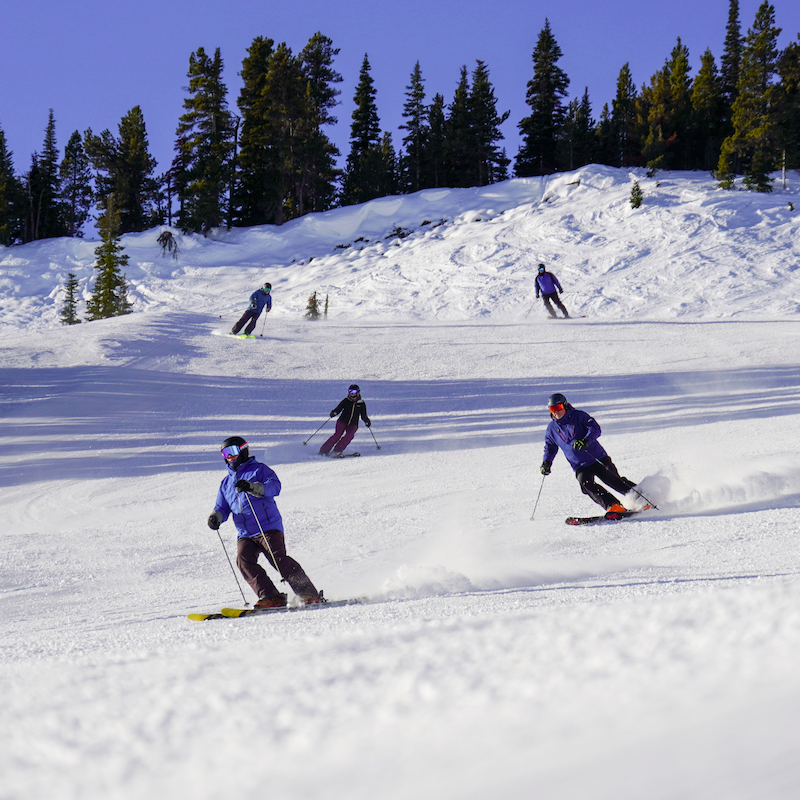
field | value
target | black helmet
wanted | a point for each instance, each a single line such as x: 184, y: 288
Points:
x: 235, y: 446
x: 267, y: 286
x: 557, y: 399
x: 542, y: 268
x: 353, y: 388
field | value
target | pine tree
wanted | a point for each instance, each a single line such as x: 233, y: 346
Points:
x: 10, y: 196
x: 788, y: 104
x: 460, y: 137
x: 69, y: 310
x: 125, y: 169
x: 542, y: 130
x: 579, y: 136
x: 110, y: 295
x: 707, y: 114
x: 637, y: 195
x: 42, y: 219
x: 416, y: 139
x: 756, y: 137
x: 730, y: 64
x: 76, y: 186
x: 312, y: 309
x: 489, y: 165
x: 624, y: 121
x: 204, y: 145
x: 365, y: 176
x: 435, y: 166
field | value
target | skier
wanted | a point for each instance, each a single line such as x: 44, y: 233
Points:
x: 576, y: 433
x: 349, y: 411
x: 258, y: 300
x: 547, y: 284
x: 248, y: 492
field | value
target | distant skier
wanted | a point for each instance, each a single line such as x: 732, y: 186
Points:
x: 576, y: 433
x: 550, y: 288
x: 248, y: 492
x: 349, y: 410
x: 258, y: 300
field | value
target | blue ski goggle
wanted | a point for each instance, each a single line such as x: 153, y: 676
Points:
x: 233, y: 450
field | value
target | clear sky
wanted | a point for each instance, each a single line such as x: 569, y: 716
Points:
x: 91, y: 61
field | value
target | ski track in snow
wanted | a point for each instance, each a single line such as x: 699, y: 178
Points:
x: 655, y: 657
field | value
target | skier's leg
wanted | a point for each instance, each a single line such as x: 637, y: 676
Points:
x: 610, y: 476
x: 349, y: 433
x: 557, y: 301
x: 252, y: 324
x: 289, y: 569
x: 585, y: 476
x: 248, y: 551
x: 328, y: 444
x: 237, y: 327
x: 546, y: 298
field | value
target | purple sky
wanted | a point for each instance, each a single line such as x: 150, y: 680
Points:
x: 92, y: 61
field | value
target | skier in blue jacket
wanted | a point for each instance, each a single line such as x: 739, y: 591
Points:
x: 248, y: 493
x: 258, y: 300
x: 576, y: 434
x: 547, y: 284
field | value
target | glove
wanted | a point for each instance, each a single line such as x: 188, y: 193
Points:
x: 368, y: 423
x: 333, y: 413
x: 243, y: 486
x: 580, y: 444
x: 545, y: 468
x: 214, y: 521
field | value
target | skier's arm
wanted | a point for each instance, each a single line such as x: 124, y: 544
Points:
x: 537, y: 287
x: 364, y: 416
x: 558, y: 285
x: 339, y: 408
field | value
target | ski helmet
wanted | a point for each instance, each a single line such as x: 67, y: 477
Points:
x: 235, y: 446
x: 354, y: 389
x: 557, y: 399
x: 267, y: 287
x: 542, y: 268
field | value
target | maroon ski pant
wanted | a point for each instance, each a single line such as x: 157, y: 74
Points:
x: 249, y: 549
x: 342, y: 437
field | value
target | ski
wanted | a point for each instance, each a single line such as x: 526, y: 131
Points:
x: 233, y: 613
x: 242, y: 335
x: 610, y: 516
x: 345, y: 455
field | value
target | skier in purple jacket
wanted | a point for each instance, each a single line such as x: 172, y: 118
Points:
x: 576, y: 433
x: 248, y: 493
x: 550, y: 288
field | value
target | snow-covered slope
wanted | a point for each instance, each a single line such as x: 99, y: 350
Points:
x: 502, y: 655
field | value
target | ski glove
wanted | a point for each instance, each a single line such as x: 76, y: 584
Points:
x: 580, y: 444
x: 368, y: 423
x: 243, y: 486
x: 214, y: 521
x: 333, y: 413
x: 251, y: 487
x: 545, y: 468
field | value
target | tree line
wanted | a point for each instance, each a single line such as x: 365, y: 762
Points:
x: 274, y: 161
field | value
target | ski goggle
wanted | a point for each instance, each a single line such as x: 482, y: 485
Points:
x: 556, y: 407
x: 267, y: 289
x: 233, y: 450
x: 352, y: 392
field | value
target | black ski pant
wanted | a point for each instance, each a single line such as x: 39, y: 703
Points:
x: 605, y: 471
x: 557, y: 300
x: 252, y: 315
x: 249, y: 549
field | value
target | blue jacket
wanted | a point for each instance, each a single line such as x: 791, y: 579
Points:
x: 229, y: 501
x: 547, y: 283
x: 259, y: 299
x: 564, y: 432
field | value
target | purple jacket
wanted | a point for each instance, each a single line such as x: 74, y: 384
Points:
x: 547, y: 283
x: 229, y: 501
x: 564, y: 432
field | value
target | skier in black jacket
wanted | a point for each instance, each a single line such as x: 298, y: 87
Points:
x: 349, y: 411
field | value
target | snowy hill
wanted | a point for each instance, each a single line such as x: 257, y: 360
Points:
x: 499, y: 655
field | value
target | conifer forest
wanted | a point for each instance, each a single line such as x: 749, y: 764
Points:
x: 266, y: 156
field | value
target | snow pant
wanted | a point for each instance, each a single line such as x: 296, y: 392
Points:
x: 557, y: 300
x: 605, y: 471
x: 342, y: 437
x: 251, y: 315
x: 248, y: 551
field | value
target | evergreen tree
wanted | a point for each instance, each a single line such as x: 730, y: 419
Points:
x: 435, y: 151
x: 42, y: 215
x: 731, y: 59
x: 707, y: 119
x: 312, y: 309
x: 637, y: 195
x: 490, y: 164
x: 579, y: 136
x: 416, y: 139
x: 788, y: 104
x: 69, y: 310
x: 542, y: 130
x: 756, y: 137
x: 10, y: 196
x: 460, y: 137
x: 202, y: 166
x: 125, y: 169
x: 110, y: 295
x: 76, y: 186
x: 623, y: 121
x: 607, y: 150
x: 365, y: 176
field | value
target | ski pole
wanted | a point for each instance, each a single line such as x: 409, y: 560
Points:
x: 541, y: 486
x: 264, y: 538
x: 241, y: 591
x: 317, y: 430
x: 264, y: 325
x: 374, y: 439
